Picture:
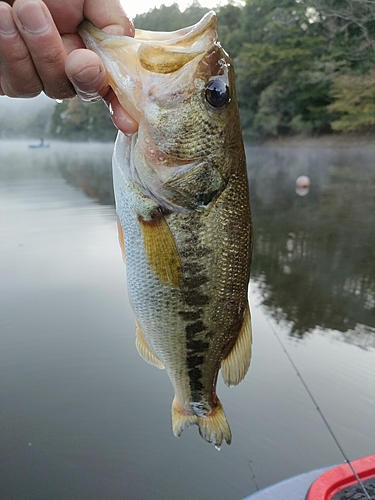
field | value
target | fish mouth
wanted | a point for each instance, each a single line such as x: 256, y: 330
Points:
x: 195, y: 30
x: 136, y: 66
x: 181, y: 40
x: 156, y: 76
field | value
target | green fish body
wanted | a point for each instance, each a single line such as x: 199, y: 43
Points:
x: 182, y: 201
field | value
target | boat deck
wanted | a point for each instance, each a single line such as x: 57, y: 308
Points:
x: 355, y: 492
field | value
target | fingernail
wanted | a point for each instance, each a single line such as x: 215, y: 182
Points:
x: 7, y: 26
x: 88, y: 75
x: 33, y: 18
x: 87, y: 78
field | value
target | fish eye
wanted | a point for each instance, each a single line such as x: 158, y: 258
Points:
x: 217, y: 93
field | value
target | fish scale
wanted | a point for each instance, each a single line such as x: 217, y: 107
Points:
x: 182, y: 201
x: 196, y: 132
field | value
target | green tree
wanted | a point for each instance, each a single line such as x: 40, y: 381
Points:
x: 297, y: 62
x: 229, y: 27
x: 354, y: 102
x: 277, y: 69
x: 76, y: 120
x: 169, y: 18
x: 350, y: 31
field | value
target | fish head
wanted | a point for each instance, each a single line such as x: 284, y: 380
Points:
x: 179, y: 87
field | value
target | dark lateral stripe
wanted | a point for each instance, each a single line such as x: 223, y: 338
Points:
x: 193, y: 268
x: 195, y: 252
x: 196, y: 386
x: 194, y: 298
x: 196, y: 346
x: 191, y: 315
x: 195, y: 281
x: 195, y: 360
x: 192, y: 328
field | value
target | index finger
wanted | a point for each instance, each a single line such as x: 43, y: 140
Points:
x: 108, y: 16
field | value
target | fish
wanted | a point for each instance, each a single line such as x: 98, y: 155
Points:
x: 183, y: 208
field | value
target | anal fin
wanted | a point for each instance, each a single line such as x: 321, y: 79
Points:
x: 145, y: 351
x: 121, y: 237
x: 161, y: 250
x: 234, y: 367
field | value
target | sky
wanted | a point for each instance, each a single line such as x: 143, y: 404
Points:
x: 133, y: 7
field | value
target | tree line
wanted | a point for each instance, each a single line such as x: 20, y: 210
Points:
x: 302, y: 66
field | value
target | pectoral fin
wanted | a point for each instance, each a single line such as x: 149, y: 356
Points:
x: 161, y: 250
x: 145, y: 351
x: 234, y: 367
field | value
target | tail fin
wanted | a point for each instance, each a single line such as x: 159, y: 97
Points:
x: 214, y: 428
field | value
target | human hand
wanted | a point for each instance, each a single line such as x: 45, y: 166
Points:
x: 41, y: 50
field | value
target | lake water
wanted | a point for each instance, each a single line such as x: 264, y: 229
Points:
x: 83, y: 417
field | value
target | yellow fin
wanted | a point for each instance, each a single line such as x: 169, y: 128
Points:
x: 181, y: 420
x: 214, y: 428
x: 234, y: 367
x: 161, y: 250
x: 145, y: 351
x: 121, y: 238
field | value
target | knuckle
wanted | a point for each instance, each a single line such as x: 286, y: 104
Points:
x: 19, y: 59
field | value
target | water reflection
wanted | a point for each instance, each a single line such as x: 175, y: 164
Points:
x: 313, y: 255
x: 78, y: 402
x: 94, y: 177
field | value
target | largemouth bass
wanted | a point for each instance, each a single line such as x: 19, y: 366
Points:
x: 182, y: 201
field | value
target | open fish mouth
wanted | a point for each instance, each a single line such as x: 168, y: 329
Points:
x: 152, y: 63
x: 154, y: 76
x: 193, y: 39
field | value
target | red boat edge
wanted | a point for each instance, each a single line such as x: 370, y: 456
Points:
x: 320, y: 484
x: 331, y: 482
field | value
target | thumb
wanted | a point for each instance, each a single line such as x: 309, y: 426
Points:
x: 89, y: 78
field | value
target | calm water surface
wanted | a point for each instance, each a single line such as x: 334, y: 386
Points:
x: 83, y: 417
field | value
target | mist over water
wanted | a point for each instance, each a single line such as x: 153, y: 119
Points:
x: 82, y: 416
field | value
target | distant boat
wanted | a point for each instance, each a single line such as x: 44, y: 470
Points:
x: 42, y: 144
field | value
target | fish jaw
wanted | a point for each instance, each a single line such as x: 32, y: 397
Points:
x: 160, y: 78
x: 137, y: 65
